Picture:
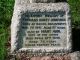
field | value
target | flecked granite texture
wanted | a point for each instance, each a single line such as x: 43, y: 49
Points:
x: 70, y: 56
x: 33, y: 7
x: 22, y: 6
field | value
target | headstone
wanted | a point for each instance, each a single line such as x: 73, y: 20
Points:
x: 41, y: 27
x: 41, y: 30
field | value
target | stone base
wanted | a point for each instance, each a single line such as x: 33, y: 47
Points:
x: 75, y: 55
x: 55, y: 57
x: 70, y: 56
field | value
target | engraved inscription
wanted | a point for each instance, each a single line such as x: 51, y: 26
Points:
x: 44, y: 29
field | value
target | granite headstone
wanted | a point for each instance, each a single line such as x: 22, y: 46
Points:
x: 41, y: 27
x: 41, y: 30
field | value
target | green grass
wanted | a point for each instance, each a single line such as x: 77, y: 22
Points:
x: 75, y: 12
x: 6, y: 10
x: 3, y: 40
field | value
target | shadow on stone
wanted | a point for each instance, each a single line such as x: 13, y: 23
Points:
x: 76, y: 39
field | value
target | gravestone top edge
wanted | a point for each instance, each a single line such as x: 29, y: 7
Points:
x: 42, y: 6
x: 39, y: 1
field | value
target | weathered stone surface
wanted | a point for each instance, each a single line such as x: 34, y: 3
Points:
x: 18, y: 34
x: 69, y: 56
x: 51, y: 58
x: 38, y: 1
x: 75, y: 55
x: 33, y: 1
x: 24, y: 56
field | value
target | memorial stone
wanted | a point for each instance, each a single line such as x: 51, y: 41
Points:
x: 41, y: 26
x: 41, y: 29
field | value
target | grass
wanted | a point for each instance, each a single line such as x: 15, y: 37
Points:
x: 6, y: 10
x: 3, y: 40
x: 75, y: 12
